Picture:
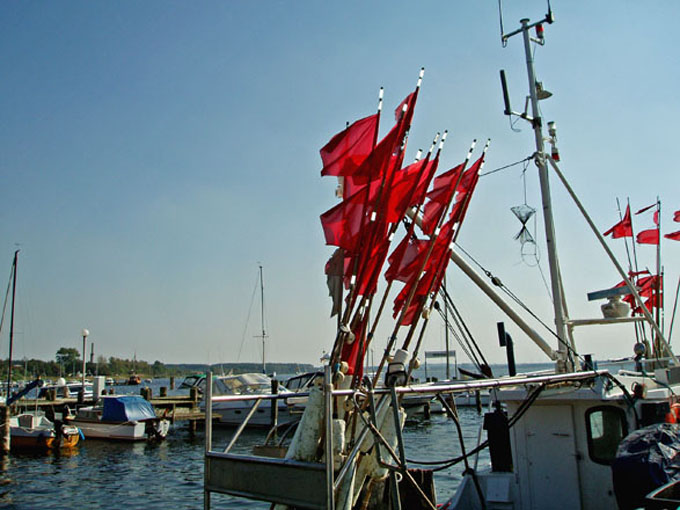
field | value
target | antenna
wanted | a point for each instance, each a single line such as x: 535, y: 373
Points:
x: 506, y: 98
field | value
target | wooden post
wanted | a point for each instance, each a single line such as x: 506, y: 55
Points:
x: 4, y: 435
x: 275, y: 404
x: 172, y: 382
x: 427, y: 412
x: 164, y: 391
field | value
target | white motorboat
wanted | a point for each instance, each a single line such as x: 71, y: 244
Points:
x: 126, y: 417
x: 249, y: 384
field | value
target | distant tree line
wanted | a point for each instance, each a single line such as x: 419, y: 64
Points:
x: 68, y: 363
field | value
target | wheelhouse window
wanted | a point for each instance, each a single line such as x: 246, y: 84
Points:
x: 606, y: 427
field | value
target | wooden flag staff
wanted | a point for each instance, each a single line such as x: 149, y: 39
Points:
x: 409, y: 298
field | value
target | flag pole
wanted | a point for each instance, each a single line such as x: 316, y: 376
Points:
x: 433, y: 239
x: 409, y: 233
x: 440, y: 270
x: 417, y: 275
x: 639, y: 328
x: 611, y: 256
x: 657, y: 282
x: 362, y: 257
x: 344, y: 316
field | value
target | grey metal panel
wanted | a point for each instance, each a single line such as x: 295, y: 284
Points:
x: 289, y: 482
x: 601, y: 294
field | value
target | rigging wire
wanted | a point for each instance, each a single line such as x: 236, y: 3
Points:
x: 528, y: 158
x: 250, y: 309
x: 498, y: 283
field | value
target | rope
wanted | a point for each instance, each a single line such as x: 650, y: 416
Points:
x: 506, y: 166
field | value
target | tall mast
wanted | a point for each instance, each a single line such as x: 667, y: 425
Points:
x: 559, y: 309
x: 264, y: 367
x: 11, y: 323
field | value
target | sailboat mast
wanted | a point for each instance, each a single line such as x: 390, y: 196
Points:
x: 540, y: 159
x: 264, y: 367
x: 11, y: 323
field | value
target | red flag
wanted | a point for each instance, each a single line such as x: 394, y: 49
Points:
x: 342, y: 223
x: 439, y: 197
x: 406, y: 259
x: 404, y: 184
x: 656, y: 217
x: 345, y: 152
x: 676, y: 216
x: 623, y: 228
x: 367, y: 279
x: 353, y: 353
x: 645, y: 209
x: 464, y: 192
x: 650, y: 236
x: 673, y: 236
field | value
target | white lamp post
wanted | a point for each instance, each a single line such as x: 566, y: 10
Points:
x: 84, y: 333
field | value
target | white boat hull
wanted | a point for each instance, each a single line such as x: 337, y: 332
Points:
x: 233, y: 413
x: 128, y: 431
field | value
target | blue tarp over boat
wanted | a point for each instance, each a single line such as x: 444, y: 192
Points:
x: 127, y: 408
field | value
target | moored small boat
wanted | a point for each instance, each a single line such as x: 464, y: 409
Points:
x: 34, y: 431
x: 126, y: 417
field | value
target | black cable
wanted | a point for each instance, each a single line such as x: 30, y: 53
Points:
x: 506, y: 166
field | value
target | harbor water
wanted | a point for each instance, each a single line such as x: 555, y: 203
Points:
x: 169, y: 474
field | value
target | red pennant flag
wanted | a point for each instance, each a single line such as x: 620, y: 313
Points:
x: 342, y: 223
x: 404, y: 186
x: 673, y: 236
x: 367, y: 279
x: 676, y: 216
x: 353, y: 353
x: 439, y: 197
x: 650, y: 236
x: 623, y: 228
x: 467, y: 187
x: 406, y: 259
x: 645, y: 209
x: 347, y: 150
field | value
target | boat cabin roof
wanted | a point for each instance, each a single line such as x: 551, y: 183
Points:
x: 126, y: 408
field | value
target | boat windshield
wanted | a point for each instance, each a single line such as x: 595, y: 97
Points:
x: 242, y: 384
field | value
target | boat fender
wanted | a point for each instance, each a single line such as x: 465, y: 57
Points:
x: 339, y: 427
x: 305, y: 441
x: 396, y: 370
x: 675, y: 410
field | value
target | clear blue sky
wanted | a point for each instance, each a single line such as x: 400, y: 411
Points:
x: 152, y: 153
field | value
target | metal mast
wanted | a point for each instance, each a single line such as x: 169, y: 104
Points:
x: 564, y: 363
x: 264, y: 366
x: 11, y: 326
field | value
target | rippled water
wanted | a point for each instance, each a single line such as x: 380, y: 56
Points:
x: 104, y: 474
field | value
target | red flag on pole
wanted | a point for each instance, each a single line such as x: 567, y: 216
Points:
x: 673, y: 236
x: 342, y: 223
x: 645, y: 209
x: 623, y: 228
x: 676, y: 216
x: 439, y: 197
x: 404, y: 260
x: 650, y: 236
x: 345, y: 152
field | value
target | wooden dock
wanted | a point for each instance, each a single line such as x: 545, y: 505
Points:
x: 176, y: 408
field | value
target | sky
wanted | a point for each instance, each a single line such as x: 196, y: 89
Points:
x: 153, y: 154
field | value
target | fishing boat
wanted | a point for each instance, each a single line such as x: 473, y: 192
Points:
x: 556, y: 440
x: 120, y: 417
x: 34, y: 431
